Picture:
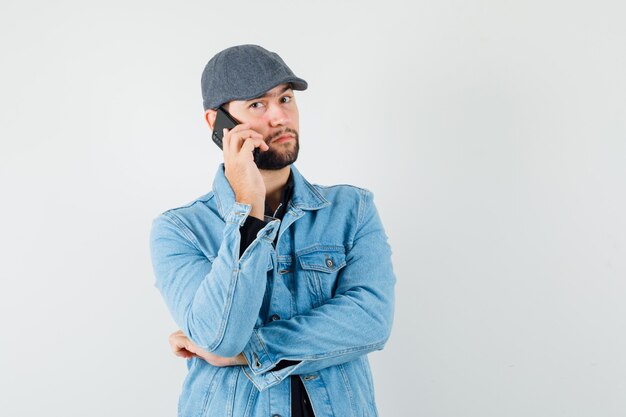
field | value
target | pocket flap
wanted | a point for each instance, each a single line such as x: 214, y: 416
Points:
x: 323, y: 260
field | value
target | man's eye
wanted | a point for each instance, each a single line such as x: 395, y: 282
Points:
x: 286, y: 99
x: 256, y: 105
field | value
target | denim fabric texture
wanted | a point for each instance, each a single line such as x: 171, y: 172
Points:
x: 322, y: 297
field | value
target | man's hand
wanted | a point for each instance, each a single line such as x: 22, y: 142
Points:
x: 185, y: 348
x: 239, y: 167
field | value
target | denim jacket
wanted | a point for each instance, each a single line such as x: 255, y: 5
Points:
x: 322, y: 297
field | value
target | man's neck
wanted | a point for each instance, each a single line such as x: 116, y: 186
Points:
x: 275, y: 181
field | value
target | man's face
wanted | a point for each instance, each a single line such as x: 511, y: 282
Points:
x: 275, y: 116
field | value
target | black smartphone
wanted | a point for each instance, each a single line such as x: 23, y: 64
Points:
x: 224, y: 120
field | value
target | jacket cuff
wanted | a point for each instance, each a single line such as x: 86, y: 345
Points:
x: 261, y: 382
x: 261, y: 369
x: 268, y: 379
x: 257, y: 356
x: 239, y: 213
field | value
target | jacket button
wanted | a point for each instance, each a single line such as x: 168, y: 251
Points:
x: 329, y: 262
x: 275, y: 317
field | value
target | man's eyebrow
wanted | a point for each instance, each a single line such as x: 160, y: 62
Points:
x: 287, y: 87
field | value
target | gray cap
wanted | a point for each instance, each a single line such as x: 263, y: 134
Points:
x: 243, y: 72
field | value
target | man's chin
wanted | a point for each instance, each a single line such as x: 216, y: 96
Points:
x: 275, y: 165
x: 275, y: 162
x: 275, y: 159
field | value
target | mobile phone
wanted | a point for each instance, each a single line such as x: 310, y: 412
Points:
x: 224, y: 120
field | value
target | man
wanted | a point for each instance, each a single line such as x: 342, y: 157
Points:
x: 280, y: 287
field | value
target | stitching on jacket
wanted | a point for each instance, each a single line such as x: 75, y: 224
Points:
x: 376, y: 345
x: 319, y: 247
x: 232, y: 385
x: 251, y: 379
x: 341, y: 185
x: 330, y: 403
x: 174, y: 219
x: 362, y: 207
x: 227, y: 307
x: 256, y: 334
x: 346, y: 382
x: 207, y: 395
x: 316, y: 192
x: 251, y: 398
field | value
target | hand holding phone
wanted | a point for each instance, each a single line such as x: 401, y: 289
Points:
x: 225, y: 120
x: 244, y: 177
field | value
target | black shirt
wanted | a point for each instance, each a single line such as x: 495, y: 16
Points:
x: 300, y: 403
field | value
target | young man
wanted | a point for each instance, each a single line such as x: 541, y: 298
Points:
x: 280, y: 287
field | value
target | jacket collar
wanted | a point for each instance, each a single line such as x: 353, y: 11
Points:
x: 305, y: 196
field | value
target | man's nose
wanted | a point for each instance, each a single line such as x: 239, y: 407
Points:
x: 277, y: 116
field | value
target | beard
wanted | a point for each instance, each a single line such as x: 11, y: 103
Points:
x: 274, y: 159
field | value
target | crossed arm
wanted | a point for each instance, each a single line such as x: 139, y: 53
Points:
x: 185, y: 348
x: 354, y: 322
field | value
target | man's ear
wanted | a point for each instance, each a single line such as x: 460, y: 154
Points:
x: 209, y: 116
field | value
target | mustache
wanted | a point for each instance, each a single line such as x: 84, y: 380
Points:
x: 280, y: 133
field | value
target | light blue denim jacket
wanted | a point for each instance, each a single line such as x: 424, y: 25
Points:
x: 324, y: 297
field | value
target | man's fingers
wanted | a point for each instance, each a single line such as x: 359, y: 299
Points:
x: 250, y: 143
x: 225, y: 138
x: 240, y: 127
x: 178, y: 341
x: 184, y: 354
x: 182, y: 346
x: 236, y: 139
x: 178, y: 346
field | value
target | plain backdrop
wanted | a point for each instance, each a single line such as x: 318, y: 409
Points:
x: 492, y: 134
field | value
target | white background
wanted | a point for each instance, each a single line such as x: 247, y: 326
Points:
x: 492, y: 133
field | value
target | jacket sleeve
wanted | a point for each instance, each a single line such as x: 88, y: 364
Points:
x: 215, y: 301
x: 356, y: 321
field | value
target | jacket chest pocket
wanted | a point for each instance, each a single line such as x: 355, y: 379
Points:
x: 322, y: 266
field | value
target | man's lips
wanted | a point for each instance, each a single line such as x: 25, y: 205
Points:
x: 283, y: 138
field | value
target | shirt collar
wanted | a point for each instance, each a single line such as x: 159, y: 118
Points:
x: 304, y: 195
